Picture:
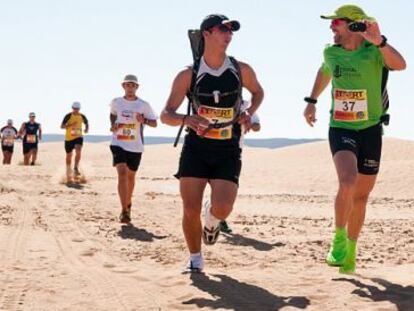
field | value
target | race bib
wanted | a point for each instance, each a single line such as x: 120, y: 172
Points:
x: 217, y: 116
x: 31, y: 139
x: 8, y: 141
x: 350, y: 105
x: 126, y: 132
x: 76, y: 132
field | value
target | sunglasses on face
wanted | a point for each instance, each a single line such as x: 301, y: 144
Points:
x: 223, y: 28
x: 340, y: 21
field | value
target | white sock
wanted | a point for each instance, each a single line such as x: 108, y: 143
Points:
x: 211, y: 220
x: 195, y: 255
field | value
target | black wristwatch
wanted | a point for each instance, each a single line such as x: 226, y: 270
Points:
x: 383, y: 42
x: 310, y: 100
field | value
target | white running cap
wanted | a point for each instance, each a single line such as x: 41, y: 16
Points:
x: 130, y: 78
x: 76, y: 105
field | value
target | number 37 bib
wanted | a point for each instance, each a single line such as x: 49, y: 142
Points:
x: 350, y: 105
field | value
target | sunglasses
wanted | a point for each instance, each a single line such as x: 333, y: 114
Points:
x: 223, y: 28
x: 340, y: 21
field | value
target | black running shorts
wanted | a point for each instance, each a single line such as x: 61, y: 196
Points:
x: 70, y: 144
x: 7, y: 148
x: 366, y: 144
x: 210, y: 163
x: 131, y: 159
x: 27, y: 147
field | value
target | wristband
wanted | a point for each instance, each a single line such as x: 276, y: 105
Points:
x: 310, y: 100
x: 383, y: 42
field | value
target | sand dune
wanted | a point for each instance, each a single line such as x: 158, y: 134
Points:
x: 61, y: 248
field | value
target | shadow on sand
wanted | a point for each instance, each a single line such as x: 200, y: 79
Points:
x: 232, y: 294
x: 131, y: 232
x: 401, y: 296
x: 238, y: 239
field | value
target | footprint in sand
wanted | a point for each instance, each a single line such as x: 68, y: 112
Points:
x: 78, y: 240
x: 109, y: 265
x: 88, y: 252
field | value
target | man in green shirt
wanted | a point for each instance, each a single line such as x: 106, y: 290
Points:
x: 357, y: 64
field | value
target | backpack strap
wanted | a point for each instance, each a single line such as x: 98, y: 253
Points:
x: 385, y: 118
x: 190, y: 96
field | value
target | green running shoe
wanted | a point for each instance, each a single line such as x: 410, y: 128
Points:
x: 338, y: 250
x: 349, y: 264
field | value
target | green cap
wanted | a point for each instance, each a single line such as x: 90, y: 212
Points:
x: 349, y: 11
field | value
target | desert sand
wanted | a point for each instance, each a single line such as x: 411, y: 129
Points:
x: 62, y: 247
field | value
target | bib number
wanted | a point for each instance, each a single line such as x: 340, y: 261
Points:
x: 8, y: 141
x: 350, y: 105
x: 76, y: 132
x: 126, y: 132
x: 217, y: 116
x: 31, y: 139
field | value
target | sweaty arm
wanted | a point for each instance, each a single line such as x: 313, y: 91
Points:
x: 392, y: 58
x: 112, y: 119
x: 321, y: 82
x: 251, y: 83
x: 179, y: 89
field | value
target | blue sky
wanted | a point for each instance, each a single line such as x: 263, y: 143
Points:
x: 57, y: 52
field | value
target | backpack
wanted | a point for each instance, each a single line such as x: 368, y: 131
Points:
x: 385, y: 118
x: 197, y: 49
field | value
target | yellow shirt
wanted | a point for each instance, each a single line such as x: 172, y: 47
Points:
x: 75, y: 129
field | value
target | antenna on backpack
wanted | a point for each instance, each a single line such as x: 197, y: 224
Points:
x: 197, y: 50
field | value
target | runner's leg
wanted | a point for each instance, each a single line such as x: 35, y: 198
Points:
x: 192, y: 190
x: 122, y: 170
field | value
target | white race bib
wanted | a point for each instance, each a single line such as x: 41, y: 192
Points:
x: 8, y: 141
x: 350, y: 105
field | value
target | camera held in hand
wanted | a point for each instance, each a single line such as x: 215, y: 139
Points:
x: 357, y: 27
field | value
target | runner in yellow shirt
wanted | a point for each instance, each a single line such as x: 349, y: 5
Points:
x: 72, y: 123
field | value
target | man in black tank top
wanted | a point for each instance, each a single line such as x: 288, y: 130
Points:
x: 211, y: 153
x: 31, y: 133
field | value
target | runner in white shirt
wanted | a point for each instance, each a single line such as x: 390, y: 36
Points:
x: 129, y: 114
x: 255, y: 127
x: 8, y: 134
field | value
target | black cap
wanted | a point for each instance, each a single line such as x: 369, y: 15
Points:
x: 217, y: 19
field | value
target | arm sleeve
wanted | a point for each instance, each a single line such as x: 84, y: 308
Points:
x: 85, y: 120
x: 149, y: 113
x: 65, y: 119
x: 255, y: 119
x: 113, y: 107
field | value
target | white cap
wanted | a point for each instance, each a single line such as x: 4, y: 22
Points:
x: 76, y: 105
x: 130, y: 78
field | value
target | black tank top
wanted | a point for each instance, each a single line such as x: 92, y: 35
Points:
x: 224, y: 82
x: 31, y: 129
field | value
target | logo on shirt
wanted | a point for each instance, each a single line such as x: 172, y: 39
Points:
x: 127, y: 114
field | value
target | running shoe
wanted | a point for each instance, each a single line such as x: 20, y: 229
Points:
x: 195, y: 265
x: 210, y: 235
x: 224, y: 227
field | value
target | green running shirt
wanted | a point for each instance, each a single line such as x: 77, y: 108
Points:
x: 356, y: 85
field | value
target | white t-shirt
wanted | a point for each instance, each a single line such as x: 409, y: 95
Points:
x: 8, y: 134
x: 129, y: 135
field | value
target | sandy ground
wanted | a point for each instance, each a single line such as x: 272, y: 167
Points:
x: 62, y: 248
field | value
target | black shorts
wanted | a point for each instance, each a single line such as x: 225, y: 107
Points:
x: 70, y: 144
x: 132, y: 159
x: 28, y: 147
x: 210, y: 163
x: 7, y: 148
x: 366, y: 144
